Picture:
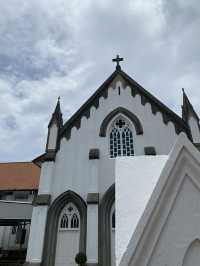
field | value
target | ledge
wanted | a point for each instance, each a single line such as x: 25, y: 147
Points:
x: 93, y: 198
x: 94, y: 154
x: 42, y: 199
x: 149, y: 151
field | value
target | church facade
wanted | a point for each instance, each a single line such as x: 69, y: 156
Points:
x: 75, y: 207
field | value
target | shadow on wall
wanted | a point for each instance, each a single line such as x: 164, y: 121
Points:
x: 192, y: 256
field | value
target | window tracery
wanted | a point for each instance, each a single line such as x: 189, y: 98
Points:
x: 121, y: 138
x: 70, y: 218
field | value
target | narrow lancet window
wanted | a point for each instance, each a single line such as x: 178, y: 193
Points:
x: 74, y: 221
x: 121, y: 139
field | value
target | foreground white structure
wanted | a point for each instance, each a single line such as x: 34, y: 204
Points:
x: 75, y: 207
x: 161, y: 225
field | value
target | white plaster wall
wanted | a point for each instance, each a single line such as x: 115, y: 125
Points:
x: 194, y: 129
x: 181, y: 228
x: 37, y: 231
x: 53, y: 132
x: 134, y: 186
x: 46, y: 178
x: 92, y: 233
x: 72, y: 167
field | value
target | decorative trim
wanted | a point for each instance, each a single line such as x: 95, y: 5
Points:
x: 94, y: 154
x: 42, y: 199
x: 75, y: 120
x: 55, y: 209
x: 146, y: 97
x: 104, y: 227
x: 149, y: 151
x: 120, y: 110
x: 93, y: 198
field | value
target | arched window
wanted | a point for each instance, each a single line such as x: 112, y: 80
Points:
x: 69, y: 217
x: 74, y: 221
x: 121, y: 138
x: 64, y: 221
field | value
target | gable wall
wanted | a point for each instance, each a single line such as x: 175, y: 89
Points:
x: 72, y: 169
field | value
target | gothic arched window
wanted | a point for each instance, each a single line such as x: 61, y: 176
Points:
x: 121, y: 138
x: 64, y: 221
x: 70, y: 218
x: 74, y: 221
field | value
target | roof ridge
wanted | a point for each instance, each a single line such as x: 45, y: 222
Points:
x: 93, y: 96
x: 146, y: 96
x: 154, y: 98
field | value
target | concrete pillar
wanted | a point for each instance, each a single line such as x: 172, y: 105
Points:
x: 36, y: 237
x: 39, y: 216
x: 92, y: 212
x: 92, y: 233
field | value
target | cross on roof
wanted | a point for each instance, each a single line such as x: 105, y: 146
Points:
x: 120, y: 123
x: 117, y: 60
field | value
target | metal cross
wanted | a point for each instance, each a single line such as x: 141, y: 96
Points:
x: 117, y: 60
x: 120, y: 123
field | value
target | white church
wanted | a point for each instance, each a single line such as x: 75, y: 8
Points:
x: 121, y: 137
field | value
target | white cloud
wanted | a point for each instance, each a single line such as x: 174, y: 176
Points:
x: 59, y: 47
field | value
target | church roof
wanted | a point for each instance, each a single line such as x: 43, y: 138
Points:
x: 57, y: 116
x: 156, y: 105
x: 19, y: 176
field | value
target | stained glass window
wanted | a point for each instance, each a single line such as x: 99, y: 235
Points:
x: 121, y: 139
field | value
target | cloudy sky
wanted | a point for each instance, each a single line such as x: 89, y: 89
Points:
x: 60, y: 47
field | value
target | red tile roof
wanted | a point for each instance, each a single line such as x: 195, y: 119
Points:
x: 19, y: 176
